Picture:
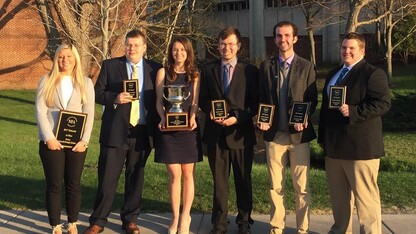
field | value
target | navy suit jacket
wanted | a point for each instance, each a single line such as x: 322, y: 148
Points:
x: 241, y: 102
x: 116, y: 118
x: 359, y: 136
x: 302, y: 88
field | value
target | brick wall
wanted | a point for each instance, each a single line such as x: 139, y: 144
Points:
x: 22, y: 42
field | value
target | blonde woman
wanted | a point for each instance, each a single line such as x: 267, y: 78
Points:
x: 179, y: 150
x: 64, y: 88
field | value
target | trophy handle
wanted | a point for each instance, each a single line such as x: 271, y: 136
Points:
x: 165, y: 97
x: 189, y: 94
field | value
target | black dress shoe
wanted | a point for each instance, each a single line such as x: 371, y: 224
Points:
x: 244, y: 229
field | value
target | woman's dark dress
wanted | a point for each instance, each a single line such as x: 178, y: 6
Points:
x: 179, y: 146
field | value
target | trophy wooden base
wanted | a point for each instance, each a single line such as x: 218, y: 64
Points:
x: 176, y: 129
x: 177, y: 122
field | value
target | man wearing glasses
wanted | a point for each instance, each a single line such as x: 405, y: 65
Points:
x: 230, y: 139
x: 127, y: 129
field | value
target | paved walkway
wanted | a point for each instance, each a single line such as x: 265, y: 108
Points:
x: 37, y: 222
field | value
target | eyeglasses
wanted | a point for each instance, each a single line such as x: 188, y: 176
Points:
x: 230, y: 45
x: 133, y: 45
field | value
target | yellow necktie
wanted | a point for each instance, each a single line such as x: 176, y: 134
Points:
x: 134, y: 113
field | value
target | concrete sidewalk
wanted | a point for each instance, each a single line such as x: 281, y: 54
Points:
x: 37, y: 222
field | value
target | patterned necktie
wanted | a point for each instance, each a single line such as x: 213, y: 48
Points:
x: 226, y: 78
x: 134, y: 112
x: 341, y: 75
x: 285, y: 68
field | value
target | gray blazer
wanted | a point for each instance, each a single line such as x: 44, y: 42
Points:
x: 302, y: 87
x: 47, y: 117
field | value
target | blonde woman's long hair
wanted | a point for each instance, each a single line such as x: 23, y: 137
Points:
x: 54, y: 76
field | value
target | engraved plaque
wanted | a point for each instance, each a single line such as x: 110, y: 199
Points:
x: 265, y: 114
x: 299, y: 113
x: 337, y: 96
x: 70, y: 128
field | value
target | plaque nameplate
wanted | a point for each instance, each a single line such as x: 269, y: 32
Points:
x: 219, y: 109
x: 131, y: 87
x: 265, y: 114
x: 299, y: 113
x: 70, y: 128
x: 177, y: 122
x: 337, y: 96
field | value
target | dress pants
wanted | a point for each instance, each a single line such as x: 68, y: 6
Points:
x: 279, y: 152
x: 62, y: 166
x: 221, y: 160
x: 354, y: 181
x: 110, y: 165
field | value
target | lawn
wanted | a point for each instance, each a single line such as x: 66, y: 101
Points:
x: 22, y: 182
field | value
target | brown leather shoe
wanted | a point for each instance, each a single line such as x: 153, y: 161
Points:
x: 93, y: 229
x: 131, y: 228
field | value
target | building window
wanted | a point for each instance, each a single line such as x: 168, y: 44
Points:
x: 221, y: 7
x: 233, y: 6
x: 280, y: 3
x: 244, y: 5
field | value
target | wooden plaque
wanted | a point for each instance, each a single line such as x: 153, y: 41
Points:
x: 132, y: 87
x: 219, y: 109
x: 265, y: 114
x: 177, y: 122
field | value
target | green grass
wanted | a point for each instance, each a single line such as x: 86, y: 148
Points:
x: 22, y: 182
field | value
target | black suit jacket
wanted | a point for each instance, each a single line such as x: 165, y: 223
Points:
x: 241, y: 102
x: 115, y: 118
x: 302, y: 88
x: 359, y: 136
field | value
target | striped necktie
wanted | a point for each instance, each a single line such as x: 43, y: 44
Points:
x: 341, y: 75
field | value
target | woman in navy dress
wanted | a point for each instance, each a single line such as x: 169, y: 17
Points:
x: 179, y: 150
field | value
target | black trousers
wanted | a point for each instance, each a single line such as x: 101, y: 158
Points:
x: 133, y: 155
x: 62, y: 166
x: 221, y: 159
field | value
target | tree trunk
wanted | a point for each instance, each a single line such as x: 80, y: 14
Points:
x: 312, y: 42
x: 171, y: 29
x: 355, y: 9
x: 52, y: 33
x: 105, y: 25
x: 389, y: 47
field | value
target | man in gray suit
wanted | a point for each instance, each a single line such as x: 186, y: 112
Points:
x: 285, y: 79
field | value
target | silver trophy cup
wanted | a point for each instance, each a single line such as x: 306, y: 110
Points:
x: 175, y: 95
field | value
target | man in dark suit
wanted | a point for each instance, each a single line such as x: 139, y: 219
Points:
x: 230, y: 141
x: 352, y: 138
x: 127, y: 131
x: 285, y: 79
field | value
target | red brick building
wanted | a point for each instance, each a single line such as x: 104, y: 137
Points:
x: 22, y: 45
